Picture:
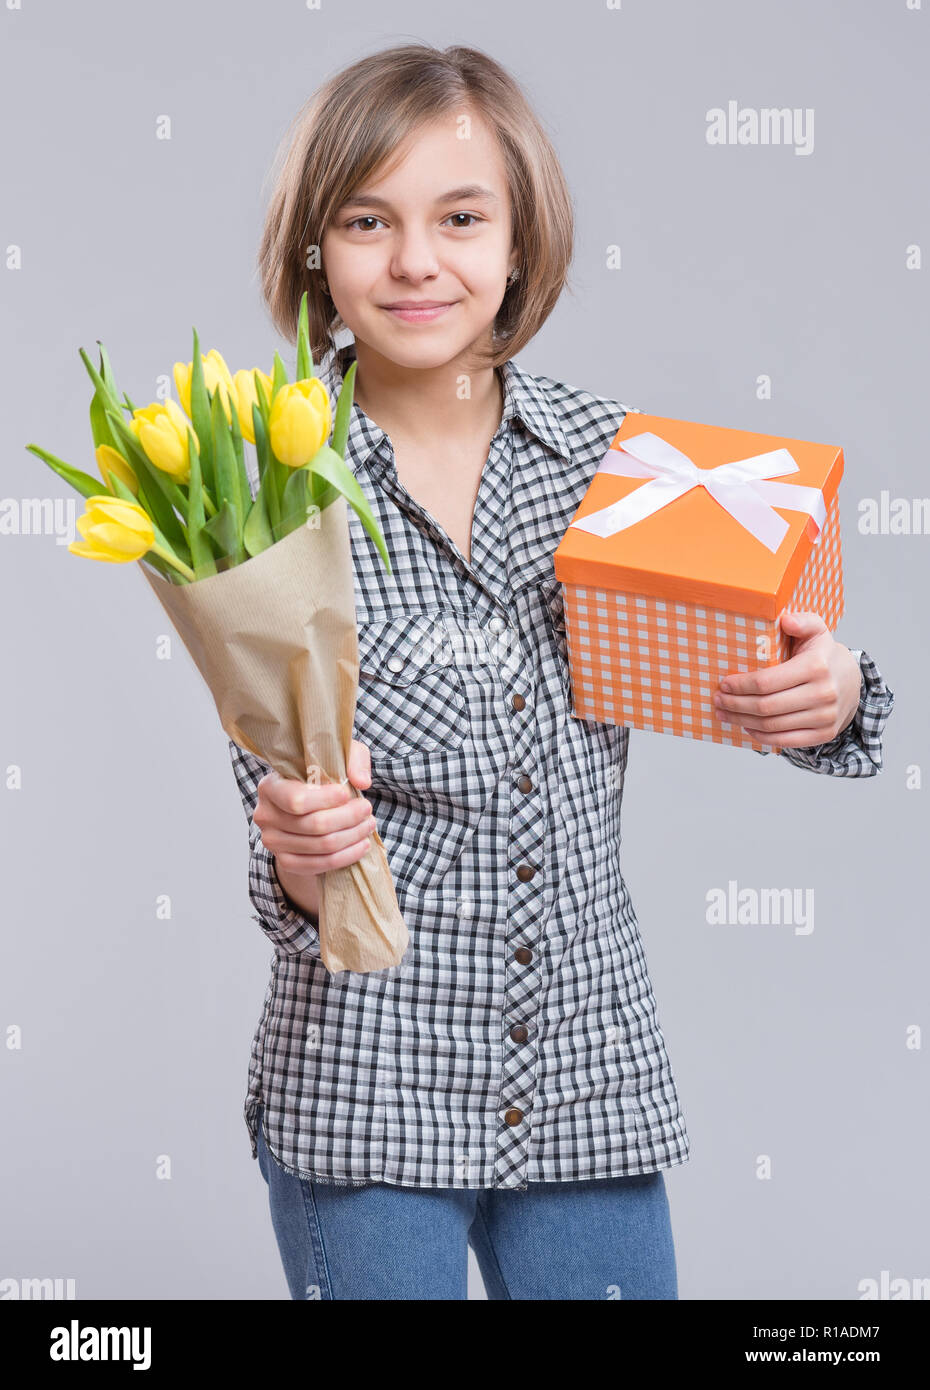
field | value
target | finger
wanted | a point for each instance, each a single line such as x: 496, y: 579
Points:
x: 359, y: 764
x: 322, y: 864
x: 821, y: 719
x: 280, y: 841
x: 809, y: 695
x: 804, y: 623
x: 319, y: 822
x: 772, y: 730
x: 295, y: 797
x: 330, y: 819
x: 768, y: 680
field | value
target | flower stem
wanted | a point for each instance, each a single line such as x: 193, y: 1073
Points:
x: 207, y: 503
x: 174, y: 562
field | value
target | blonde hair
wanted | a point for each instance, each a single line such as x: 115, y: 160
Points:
x: 349, y: 128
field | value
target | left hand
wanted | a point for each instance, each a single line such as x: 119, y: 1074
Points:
x: 800, y: 702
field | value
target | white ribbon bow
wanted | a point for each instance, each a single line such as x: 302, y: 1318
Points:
x: 739, y: 487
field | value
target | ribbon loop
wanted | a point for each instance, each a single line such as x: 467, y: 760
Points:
x: 741, y: 487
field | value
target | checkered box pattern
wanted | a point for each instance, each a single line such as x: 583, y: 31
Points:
x: 655, y: 664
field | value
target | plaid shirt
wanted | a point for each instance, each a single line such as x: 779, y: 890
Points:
x: 518, y: 1041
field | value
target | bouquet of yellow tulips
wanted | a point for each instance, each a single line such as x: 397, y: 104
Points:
x: 260, y: 588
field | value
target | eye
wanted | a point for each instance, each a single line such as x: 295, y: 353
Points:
x: 366, y: 217
x: 370, y: 217
x: 472, y: 215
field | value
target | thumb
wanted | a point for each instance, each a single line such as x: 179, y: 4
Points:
x: 359, y: 764
x: 802, y: 626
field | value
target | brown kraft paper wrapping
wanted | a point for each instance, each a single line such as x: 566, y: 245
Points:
x: 275, y: 639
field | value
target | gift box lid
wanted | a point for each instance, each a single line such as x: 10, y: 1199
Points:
x: 693, y: 550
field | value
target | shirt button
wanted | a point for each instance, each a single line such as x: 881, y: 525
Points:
x: 395, y: 663
x: 497, y: 624
x: 513, y: 1116
x: 519, y: 1032
x: 525, y: 872
x: 523, y: 954
x: 524, y: 783
x: 518, y: 701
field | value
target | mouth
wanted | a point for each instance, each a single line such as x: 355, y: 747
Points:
x: 413, y: 312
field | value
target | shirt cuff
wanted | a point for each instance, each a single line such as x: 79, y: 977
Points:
x: 855, y: 751
x: 291, y: 930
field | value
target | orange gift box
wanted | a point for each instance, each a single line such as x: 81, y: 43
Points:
x: 680, y: 579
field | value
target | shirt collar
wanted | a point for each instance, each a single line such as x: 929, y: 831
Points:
x: 525, y: 401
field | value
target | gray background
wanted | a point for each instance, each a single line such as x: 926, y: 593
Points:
x: 736, y: 262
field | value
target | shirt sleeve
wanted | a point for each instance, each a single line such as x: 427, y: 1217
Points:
x: 856, y: 751
x: 289, y: 929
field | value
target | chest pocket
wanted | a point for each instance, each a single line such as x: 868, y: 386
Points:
x: 411, y: 699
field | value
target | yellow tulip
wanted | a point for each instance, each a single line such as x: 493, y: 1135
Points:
x: 300, y: 421
x: 162, y: 431
x: 246, y: 396
x: 114, y: 530
x: 216, y: 374
x: 109, y: 461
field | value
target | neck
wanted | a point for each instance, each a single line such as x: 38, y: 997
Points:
x: 419, y: 406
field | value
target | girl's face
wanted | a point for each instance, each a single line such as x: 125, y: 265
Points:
x: 435, y: 229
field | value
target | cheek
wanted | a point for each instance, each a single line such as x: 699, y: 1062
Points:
x: 483, y: 280
x: 350, y: 269
x: 479, y: 260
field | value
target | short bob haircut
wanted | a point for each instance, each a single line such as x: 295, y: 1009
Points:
x: 347, y: 131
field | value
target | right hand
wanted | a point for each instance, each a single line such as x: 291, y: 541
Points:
x: 311, y: 828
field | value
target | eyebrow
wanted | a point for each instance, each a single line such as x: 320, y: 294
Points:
x: 467, y: 191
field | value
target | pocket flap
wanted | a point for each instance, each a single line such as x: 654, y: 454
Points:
x: 400, y: 650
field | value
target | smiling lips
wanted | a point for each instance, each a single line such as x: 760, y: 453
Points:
x: 417, y: 311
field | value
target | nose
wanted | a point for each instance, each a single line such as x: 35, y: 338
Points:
x: 414, y: 257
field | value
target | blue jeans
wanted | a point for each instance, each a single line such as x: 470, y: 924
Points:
x: 610, y: 1238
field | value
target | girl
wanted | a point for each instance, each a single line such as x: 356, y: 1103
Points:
x: 507, y: 1085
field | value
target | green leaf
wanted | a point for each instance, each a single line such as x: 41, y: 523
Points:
x: 202, y: 561
x: 304, y: 355
x: 327, y: 464
x: 224, y: 529
x: 201, y: 419
x: 258, y: 429
x: 323, y: 493
x: 257, y: 534
x: 268, y: 470
x: 85, y: 484
x: 264, y: 404
x: 226, y: 465
x: 278, y: 375
x: 276, y: 474
x: 106, y: 371
x: 99, y: 423
x: 245, y: 491
x: 263, y: 446
x: 106, y: 390
x: 294, y: 500
x: 343, y: 415
x: 104, y: 400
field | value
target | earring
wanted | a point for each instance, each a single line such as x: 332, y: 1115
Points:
x: 514, y: 275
